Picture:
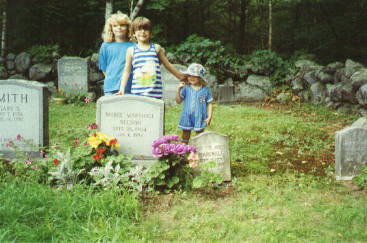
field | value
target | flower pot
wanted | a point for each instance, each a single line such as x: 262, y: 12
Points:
x: 60, y: 101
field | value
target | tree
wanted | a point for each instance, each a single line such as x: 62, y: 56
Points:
x: 134, y: 12
x: 109, y: 9
x: 3, y: 29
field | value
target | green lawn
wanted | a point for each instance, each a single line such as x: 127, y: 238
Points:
x: 283, y: 189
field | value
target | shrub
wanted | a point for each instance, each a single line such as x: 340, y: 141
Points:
x: 44, y: 53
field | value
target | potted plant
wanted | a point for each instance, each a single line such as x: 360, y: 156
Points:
x: 59, y: 97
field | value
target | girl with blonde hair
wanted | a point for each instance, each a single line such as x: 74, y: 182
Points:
x: 112, y: 54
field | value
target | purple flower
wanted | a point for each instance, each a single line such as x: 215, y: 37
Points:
x: 157, y: 142
x: 191, y: 148
x: 157, y: 152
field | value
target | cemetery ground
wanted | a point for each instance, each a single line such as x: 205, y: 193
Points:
x: 283, y: 187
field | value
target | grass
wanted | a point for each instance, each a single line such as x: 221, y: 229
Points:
x: 282, y: 189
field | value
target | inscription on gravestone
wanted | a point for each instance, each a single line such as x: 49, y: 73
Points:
x: 23, y: 111
x: 211, y: 146
x: 135, y: 121
x: 73, y: 74
x: 351, y: 150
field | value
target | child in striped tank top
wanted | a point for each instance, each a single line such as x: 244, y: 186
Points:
x: 143, y: 60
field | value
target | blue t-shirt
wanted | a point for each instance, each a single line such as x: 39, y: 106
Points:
x: 112, y: 58
x: 194, y: 110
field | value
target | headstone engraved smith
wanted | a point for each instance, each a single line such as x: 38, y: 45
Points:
x: 351, y: 150
x: 24, y: 112
x: 135, y: 121
x: 211, y: 146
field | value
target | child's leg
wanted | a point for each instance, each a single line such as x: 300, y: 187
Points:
x: 186, y: 136
x: 198, y: 132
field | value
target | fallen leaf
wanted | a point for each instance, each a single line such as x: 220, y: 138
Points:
x: 272, y: 170
x: 278, y: 152
x: 304, y: 162
x: 340, y: 235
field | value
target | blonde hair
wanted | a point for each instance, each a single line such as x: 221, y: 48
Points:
x: 141, y: 23
x: 117, y: 18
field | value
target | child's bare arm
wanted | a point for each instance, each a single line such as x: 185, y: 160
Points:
x: 178, y: 96
x: 163, y: 59
x: 210, y: 113
x: 127, y: 70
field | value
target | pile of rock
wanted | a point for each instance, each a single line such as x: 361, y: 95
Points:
x: 340, y: 86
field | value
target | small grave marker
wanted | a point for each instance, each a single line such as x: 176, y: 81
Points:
x: 351, y: 150
x: 135, y: 121
x: 73, y: 75
x: 23, y: 111
x: 211, y: 146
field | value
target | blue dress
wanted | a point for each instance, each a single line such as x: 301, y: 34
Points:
x: 194, y: 108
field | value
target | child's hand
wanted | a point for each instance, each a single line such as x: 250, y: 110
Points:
x: 182, y: 84
x: 121, y: 92
x: 183, y: 79
x: 208, y: 120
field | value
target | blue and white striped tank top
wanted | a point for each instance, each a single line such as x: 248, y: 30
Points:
x: 146, y: 73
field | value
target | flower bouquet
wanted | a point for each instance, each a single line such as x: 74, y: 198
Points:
x: 103, y: 145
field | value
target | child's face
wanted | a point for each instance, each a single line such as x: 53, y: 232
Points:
x: 119, y: 30
x: 194, y: 80
x: 142, y: 35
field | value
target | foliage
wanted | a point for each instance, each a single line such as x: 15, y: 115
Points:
x: 60, y: 93
x: 271, y: 64
x: 78, y: 98
x: 202, y: 50
x: 361, y: 179
x: 44, y: 53
x: 207, y: 178
x: 172, y: 170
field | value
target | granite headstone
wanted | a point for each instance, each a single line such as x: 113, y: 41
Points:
x: 23, y: 112
x: 170, y: 84
x: 135, y: 121
x: 73, y: 75
x: 211, y: 146
x: 351, y: 150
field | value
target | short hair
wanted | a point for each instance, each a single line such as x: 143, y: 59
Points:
x: 141, y: 23
x: 117, y: 18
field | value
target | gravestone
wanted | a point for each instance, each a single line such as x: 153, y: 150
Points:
x: 351, y: 150
x: 211, y: 146
x: 135, y: 121
x: 226, y: 94
x: 170, y: 84
x: 24, y: 112
x: 73, y: 75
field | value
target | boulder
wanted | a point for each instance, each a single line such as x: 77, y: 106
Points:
x: 359, y: 78
x: 307, y: 65
x: 248, y: 93
x: 351, y: 67
x: 318, y: 93
x: 40, y: 72
x: 333, y: 67
x: 22, y: 62
x: 309, y: 78
x: 362, y: 95
x: 10, y: 65
x: 297, y: 85
x: 94, y: 75
x: 262, y: 82
x: 10, y: 57
x: 3, y: 73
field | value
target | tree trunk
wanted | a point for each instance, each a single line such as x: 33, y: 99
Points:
x: 242, y: 32
x: 270, y: 37
x: 3, y: 32
x: 109, y: 9
x: 136, y: 10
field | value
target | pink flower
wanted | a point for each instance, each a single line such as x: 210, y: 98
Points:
x: 193, y: 165
x: 92, y: 126
x: 46, y: 156
x: 54, y: 145
x: 10, y: 143
x: 193, y: 157
x: 76, y: 142
x: 85, y: 143
x: 29, y: 161
x: 66, y: 83
x: 80, y: 87
x: 35, y: 167
x: 19, y: 137
x: 86, y: 100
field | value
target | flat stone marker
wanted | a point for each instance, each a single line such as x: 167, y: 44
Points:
x: 351, y: 150
x: 211, y: 146
x: 73, y: 75
x: 170, y: 84
x: 23, y: 111
x: 135, y: 121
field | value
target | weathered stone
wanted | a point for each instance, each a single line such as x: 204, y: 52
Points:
x: 297, y: 85
x: 310, y: 78
x: 211, y: 146
x: 10, y: 56
x: 170, y: 84
x: 332, y: 67
x: 351, y: 150
x: 262, y: 82
x: 10, y: 65
x: 248, y: 93
x: 362, y: 95
x: 95, y: 75
x: 18, y: 76
x: 40, y: 71
x: 307, y: 65
x: 22, y: 62
x: 318, y: 93
x: 3, y: 73
x: 73, y: 75
x: 359, y: 78
x: 226, y: 94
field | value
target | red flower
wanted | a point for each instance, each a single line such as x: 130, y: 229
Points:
x: 97, y: 157
x: 19, y: 137
x: 56, y: 162
x: 113, y: 141
x: 101, y: 151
